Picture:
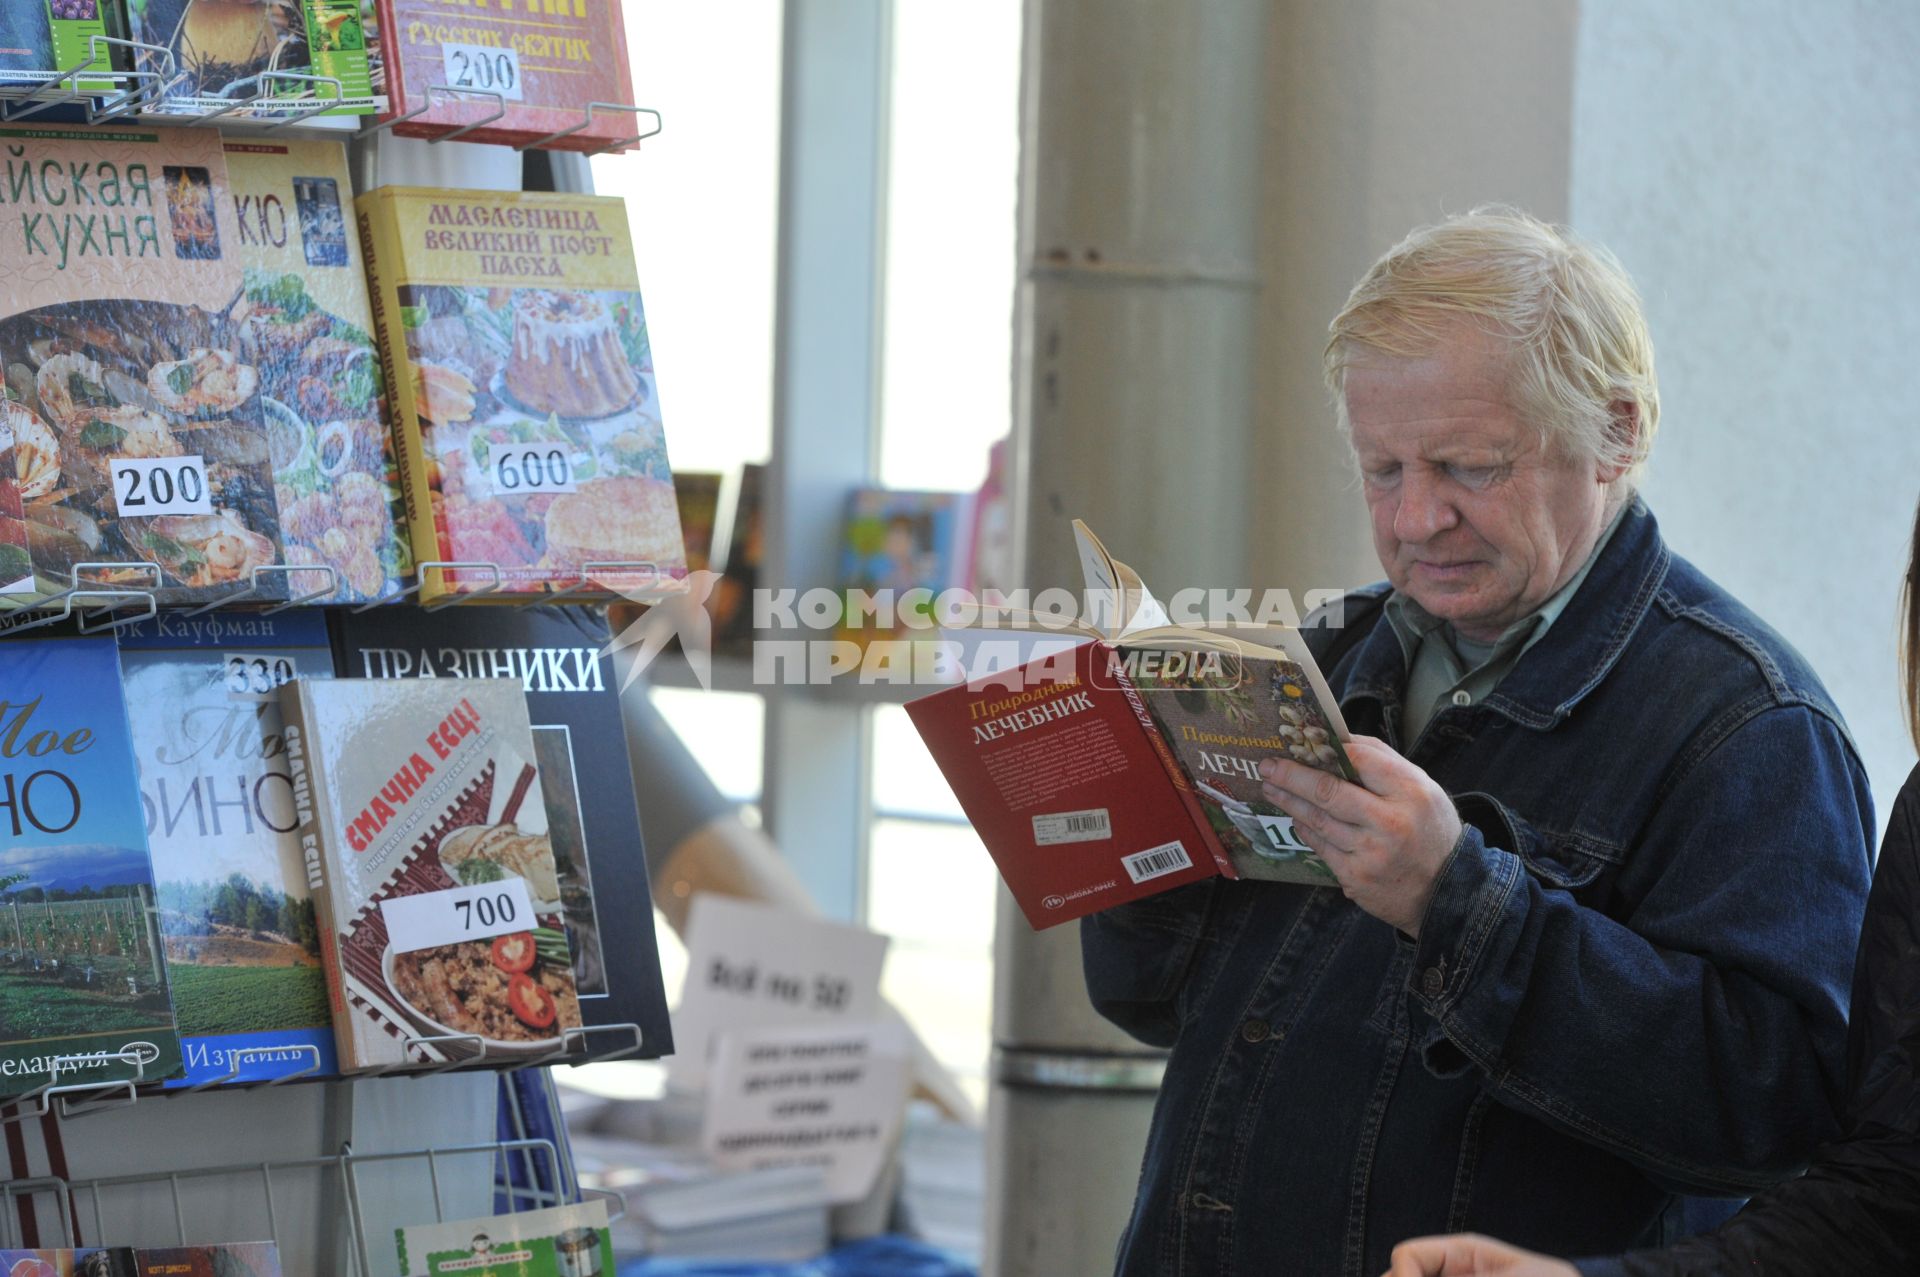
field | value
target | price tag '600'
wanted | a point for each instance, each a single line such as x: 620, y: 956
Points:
x: 528, y: 469
x: 160, y: 485
x: 478, y: 912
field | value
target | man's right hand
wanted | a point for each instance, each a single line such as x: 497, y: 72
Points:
x: 1469, y: 1255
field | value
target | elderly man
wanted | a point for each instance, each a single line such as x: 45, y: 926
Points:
x: 1604, y: 869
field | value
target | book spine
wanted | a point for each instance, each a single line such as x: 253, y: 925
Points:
x: 310, y: 823
x: 1203, y: 830
x: 378, y: 221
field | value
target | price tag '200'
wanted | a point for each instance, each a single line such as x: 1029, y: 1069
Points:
x: 479, y: 66
x: 478, y: 912
x: 160, y: 485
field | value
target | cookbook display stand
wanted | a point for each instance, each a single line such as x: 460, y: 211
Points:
x: 326, y: 1167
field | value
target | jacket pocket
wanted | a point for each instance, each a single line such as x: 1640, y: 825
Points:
x: 1566, y: 860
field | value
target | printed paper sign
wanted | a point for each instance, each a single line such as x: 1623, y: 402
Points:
x: 832, y: 1097
x: 478, y: 912
x: 754, y: 966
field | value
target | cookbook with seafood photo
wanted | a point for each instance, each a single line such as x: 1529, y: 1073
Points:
x: 426, y: 842
x: 305, y: 323
x: 532, y: 452
x: 134, y: 422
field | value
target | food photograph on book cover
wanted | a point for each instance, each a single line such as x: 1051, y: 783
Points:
x: 245, y: 55
x: 499, y: 370
x: 137, y: 426
x: 305, y: 323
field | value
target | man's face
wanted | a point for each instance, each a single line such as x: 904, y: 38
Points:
x: 1472, y: 516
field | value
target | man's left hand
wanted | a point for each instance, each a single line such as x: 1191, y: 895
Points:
x: 1385, y: 838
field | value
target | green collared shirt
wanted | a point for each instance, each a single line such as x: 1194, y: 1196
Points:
x: 1444, y: 668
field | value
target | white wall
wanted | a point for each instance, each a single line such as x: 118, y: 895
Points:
x: 1757, y: 168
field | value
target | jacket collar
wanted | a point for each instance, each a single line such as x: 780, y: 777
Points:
x: 1569, y: 661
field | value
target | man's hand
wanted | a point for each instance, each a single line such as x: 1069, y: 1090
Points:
x: 1467, y: 1255
x: 1385, y: 838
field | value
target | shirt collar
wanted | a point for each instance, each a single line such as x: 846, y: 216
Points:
x: 1590, y: 630
x: 1413, y: 624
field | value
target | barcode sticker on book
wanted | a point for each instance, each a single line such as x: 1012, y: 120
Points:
x: 1156, y: 862
x: 1072, y: 826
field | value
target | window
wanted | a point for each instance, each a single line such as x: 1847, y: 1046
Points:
x: 703, y: 206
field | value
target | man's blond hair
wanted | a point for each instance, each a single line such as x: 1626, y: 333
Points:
x: 1579, y: 340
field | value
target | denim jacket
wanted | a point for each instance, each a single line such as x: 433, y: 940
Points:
x: 1629, y: 989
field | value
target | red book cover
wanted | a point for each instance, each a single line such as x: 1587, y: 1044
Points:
x: 1074, y: 794
x: 547, y: 59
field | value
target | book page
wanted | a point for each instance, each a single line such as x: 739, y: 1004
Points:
x: 1119, y: 599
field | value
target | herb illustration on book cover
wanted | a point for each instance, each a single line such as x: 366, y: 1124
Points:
x: 137, y: 427
x: 81, y: 973
x: 264, y: 59
x: 237, y: 918
x: 521, y: 378
x: 580, y: 742
x: 426, y: 839
x: 306, y: 325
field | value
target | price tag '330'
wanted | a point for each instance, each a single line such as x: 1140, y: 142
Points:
x: 477, y: 912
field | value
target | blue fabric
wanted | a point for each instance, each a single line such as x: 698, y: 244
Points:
x: 1628, y: 992
x: 871, y: 1257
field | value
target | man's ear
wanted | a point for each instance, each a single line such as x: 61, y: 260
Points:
x: 1623, y: 432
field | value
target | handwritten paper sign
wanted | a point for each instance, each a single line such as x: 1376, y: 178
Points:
x: 755, y: 966
x: 832, y: 1097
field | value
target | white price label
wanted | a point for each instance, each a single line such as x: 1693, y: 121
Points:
x: 160, y: 485
x: 478, y: 912
x: 1091, y: 825
x: 528, y: 469
x: 255, y: 676
x: 478, y: 66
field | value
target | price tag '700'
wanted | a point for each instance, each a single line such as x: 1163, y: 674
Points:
x: 478, y: 912
x: 160, y: 485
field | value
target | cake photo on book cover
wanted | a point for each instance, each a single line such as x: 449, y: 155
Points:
x: 135, y: 425
x: 237, y: 918
x: 426, y: 839
x: 224, y: 1259
x: 240, y: 57
x: 305, y: 323
x: 81, y: 973
x: 526, y: 74
x: 525, y: 411
x: 579, y: 740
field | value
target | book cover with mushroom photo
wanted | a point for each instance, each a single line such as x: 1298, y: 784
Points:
x: 306, y: 325
x: 526, y: 416
x: 266, y: 60
x: 425, y: 834
x: 135, y: 435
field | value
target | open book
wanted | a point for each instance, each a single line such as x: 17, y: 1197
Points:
x: 1129, y: 764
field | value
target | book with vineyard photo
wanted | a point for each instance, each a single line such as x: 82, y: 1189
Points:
x: 237, y: 919
x: 83, y: 987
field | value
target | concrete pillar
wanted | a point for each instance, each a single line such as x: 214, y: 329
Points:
x: 1134, y: 390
